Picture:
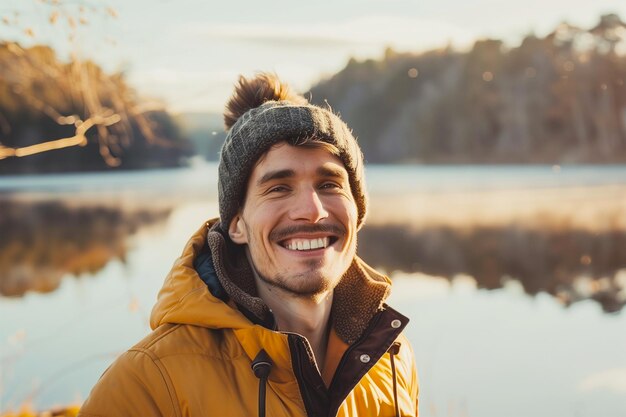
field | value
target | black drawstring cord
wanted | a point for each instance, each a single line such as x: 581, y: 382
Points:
x: 261, y: 366
x: 393, y: 351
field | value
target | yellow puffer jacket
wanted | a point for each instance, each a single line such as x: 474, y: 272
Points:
x: 198, y: 360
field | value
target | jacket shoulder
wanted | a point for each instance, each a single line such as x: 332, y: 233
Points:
x: 134, y: 384
x: 184, y: 339
x: 140, y: 381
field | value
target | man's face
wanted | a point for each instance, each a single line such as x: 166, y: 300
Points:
x: 299, y: 220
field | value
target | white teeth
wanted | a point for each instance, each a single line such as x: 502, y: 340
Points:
x: 308, y: 244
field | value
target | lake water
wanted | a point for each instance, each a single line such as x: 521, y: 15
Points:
x: 520, y: 312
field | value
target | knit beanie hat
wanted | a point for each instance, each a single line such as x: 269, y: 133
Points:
x: 262, y: 112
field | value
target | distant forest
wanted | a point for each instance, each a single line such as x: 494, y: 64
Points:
x: 59, y: 117
x: 556, y: 99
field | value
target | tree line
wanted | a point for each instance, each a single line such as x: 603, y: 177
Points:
x: 554, y: 99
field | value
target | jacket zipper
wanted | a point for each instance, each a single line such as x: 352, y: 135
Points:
x: 297, y: 342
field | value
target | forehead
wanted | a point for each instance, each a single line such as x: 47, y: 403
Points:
x: 296, y: 158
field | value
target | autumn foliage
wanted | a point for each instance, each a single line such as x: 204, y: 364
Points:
x: 72, y: 116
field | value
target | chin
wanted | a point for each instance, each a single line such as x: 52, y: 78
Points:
x: 305, y: 284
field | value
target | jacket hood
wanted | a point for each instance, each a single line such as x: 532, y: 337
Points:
x: 225, y: 296
x: 185, y: 298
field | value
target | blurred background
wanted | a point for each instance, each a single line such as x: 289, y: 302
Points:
x: 495, y: 139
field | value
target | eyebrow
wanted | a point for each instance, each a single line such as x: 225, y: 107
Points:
x: 275, y: 175
x: 333, y: 172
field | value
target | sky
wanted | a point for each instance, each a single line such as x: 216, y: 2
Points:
x: 188, y: 53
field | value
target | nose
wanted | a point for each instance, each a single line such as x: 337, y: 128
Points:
x: 308, y: 206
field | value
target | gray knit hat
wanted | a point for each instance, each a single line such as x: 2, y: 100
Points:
x: 272, y: 122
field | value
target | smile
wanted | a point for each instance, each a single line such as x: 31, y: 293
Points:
x: 308, y: 244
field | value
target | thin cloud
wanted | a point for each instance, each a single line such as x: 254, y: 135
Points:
x: 366, y: 31
x: 609, y: 380
x: 283, y: 40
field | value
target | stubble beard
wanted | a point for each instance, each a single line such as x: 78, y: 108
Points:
x: 308, y: 284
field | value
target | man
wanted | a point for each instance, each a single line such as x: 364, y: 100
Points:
x: 269, y: 311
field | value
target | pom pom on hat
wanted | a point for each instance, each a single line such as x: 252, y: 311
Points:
x: 251, y: 93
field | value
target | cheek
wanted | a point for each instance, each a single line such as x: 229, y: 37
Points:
x: 258, y: 228
x: 347, y: 213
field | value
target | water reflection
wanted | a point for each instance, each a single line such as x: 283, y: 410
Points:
x: 42, y: 241
x: 570, y: 264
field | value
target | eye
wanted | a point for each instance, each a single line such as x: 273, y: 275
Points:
x: 278, y: 189
x: 330, y: 185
